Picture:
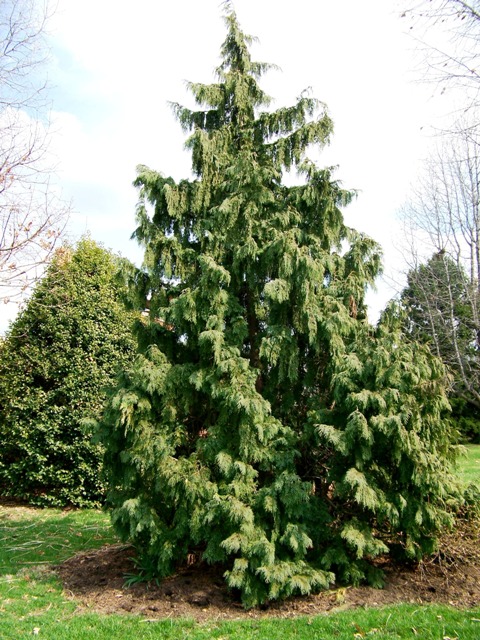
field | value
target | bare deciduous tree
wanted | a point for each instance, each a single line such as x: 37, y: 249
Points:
x: 32, y: 217
x: 448, y: 32
x: 442, y: 222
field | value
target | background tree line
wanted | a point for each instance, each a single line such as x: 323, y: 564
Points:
x: 442, y: 216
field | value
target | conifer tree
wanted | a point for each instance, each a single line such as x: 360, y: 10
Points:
x: 441, y: 303
x: 260, y: 423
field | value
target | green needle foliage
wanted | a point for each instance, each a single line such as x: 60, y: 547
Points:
x: 56, y: 361
x: 265, y: 425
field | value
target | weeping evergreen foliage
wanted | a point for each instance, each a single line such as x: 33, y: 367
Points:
x: 265, y: 426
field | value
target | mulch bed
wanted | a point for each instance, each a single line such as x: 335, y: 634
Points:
x: 95, y: 580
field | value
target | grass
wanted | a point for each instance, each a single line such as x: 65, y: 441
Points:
x: 33, y: 537
x: 469, y: 467
x: 32, y: 602
x: 406, y: 621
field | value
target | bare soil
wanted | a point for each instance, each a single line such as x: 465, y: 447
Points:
x: 95, y: 580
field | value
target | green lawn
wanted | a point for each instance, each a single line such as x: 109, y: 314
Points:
x: 35, y: 537
x: 427, y: 623
x: 469, y: 467
x: 32, y: 602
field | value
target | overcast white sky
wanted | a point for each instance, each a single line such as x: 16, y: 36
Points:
x: 116, y: 64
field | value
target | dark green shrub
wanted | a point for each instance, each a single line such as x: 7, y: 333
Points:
x: 56, y: 361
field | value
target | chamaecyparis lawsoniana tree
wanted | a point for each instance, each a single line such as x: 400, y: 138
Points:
x: 265, y: 426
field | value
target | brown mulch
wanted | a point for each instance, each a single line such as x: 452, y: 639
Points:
x: 95, y: 580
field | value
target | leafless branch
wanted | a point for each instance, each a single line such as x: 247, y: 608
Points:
x: 447, y: 35
x: 442, y: 224
x: 32, y: 216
